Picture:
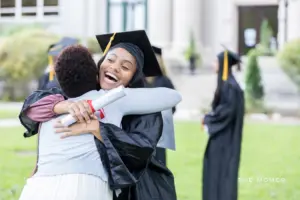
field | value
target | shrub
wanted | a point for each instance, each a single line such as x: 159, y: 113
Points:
x: 192, y: 50
x: 289, y: 60
x: 23, y: 57
x: 254, y: 86
x: 266, y: 34
x: 93, y: 46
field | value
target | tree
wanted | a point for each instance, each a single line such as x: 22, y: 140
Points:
x: 289, y: 60
x: 191, y: 53
x: 192, y: 49
x: 23, y: 57
x: 266, y: 34
x: 254, y: 86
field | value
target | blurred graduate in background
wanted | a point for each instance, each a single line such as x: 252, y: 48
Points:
x: 48, y: 80
x: 224, y: 125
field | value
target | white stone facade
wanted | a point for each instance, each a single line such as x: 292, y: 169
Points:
x: 170, y: 22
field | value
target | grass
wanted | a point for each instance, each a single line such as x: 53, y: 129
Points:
x: 268, y: 152
x: 7, y: 114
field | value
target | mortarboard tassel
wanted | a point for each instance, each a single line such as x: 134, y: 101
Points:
x: 51, y: 73
x: 109, y: 43
x: 225, y: 67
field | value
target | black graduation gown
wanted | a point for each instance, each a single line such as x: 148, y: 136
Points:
x: 52, y: 84
x: 126, y: 154
x: 45, y: 84
x: 43, y: 81
x: 156, y: 183
x: 222, y: 154
x: 162, y: 81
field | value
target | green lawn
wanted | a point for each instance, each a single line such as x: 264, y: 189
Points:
x: 269, y: 152
x: 6, y: 114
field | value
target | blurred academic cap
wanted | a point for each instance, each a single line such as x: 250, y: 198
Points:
x: 229, y: 59
x: 55, y: 49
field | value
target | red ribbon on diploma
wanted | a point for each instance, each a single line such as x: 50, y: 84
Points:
x: 102, y: 114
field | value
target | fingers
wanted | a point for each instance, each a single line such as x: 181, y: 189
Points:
x: 94, y: 117
x: 74, y: 110
x: 65, y: 135
x: 58, y: 124
x: 87, y: 108
x: 62, y: 130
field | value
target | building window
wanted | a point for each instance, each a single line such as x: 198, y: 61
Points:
x: 7, y: 14
x: 28, y: 3
x: 126, y: 15
x: 50, y: 13
x: 28, y: 8
x: 31, y: 14
x: 8, y: 3
x: 50, y: 2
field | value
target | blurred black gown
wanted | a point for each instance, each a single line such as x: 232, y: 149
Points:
x: 162, y: 81
x: 44, y: 83
x: 222, y: 154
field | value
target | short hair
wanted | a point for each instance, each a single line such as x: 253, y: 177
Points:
x: 76, y: 71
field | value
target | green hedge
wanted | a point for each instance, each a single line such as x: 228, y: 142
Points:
x: 23, y: 56
x: 289, y: 60
x: 93, y: 45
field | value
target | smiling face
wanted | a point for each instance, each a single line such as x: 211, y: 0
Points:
x: 118, y: 68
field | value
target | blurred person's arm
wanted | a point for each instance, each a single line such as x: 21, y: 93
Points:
x: 221, y: 117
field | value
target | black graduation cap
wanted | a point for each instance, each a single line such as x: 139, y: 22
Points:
x: 157, y: 50
x: 229, y: 58
x: 63, y: 43
x: 138, y: 38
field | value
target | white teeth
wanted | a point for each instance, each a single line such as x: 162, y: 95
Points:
x: 112, y: 75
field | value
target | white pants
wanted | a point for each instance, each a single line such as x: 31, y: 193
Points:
x: 66, y: 187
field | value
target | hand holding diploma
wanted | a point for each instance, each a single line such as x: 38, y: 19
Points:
x: 84, y: 109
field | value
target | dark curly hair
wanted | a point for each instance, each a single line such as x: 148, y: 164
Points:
x: 76, y: 71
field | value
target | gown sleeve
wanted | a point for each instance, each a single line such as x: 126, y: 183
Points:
x: 42, y: 110
x: 30, y: 125
x: 127, y: 151
x: 221, y: 117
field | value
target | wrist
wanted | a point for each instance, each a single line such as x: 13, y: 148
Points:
x: 95, y: 129
x: 61, y: 107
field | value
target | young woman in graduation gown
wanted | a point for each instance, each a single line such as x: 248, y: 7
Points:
x: 224, y: 125
x: 161, y: 81
x: 126, y: 153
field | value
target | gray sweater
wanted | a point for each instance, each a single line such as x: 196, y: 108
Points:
x: 78, y: 154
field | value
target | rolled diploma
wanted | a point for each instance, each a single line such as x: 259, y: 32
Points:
x: 108, y: 98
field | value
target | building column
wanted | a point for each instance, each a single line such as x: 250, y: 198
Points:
x: 293, y: 29
x: 40, y: 9
x: 187, y: 16
x: 18, y: 9
x: 160, y: 22
x: 293, y: 26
